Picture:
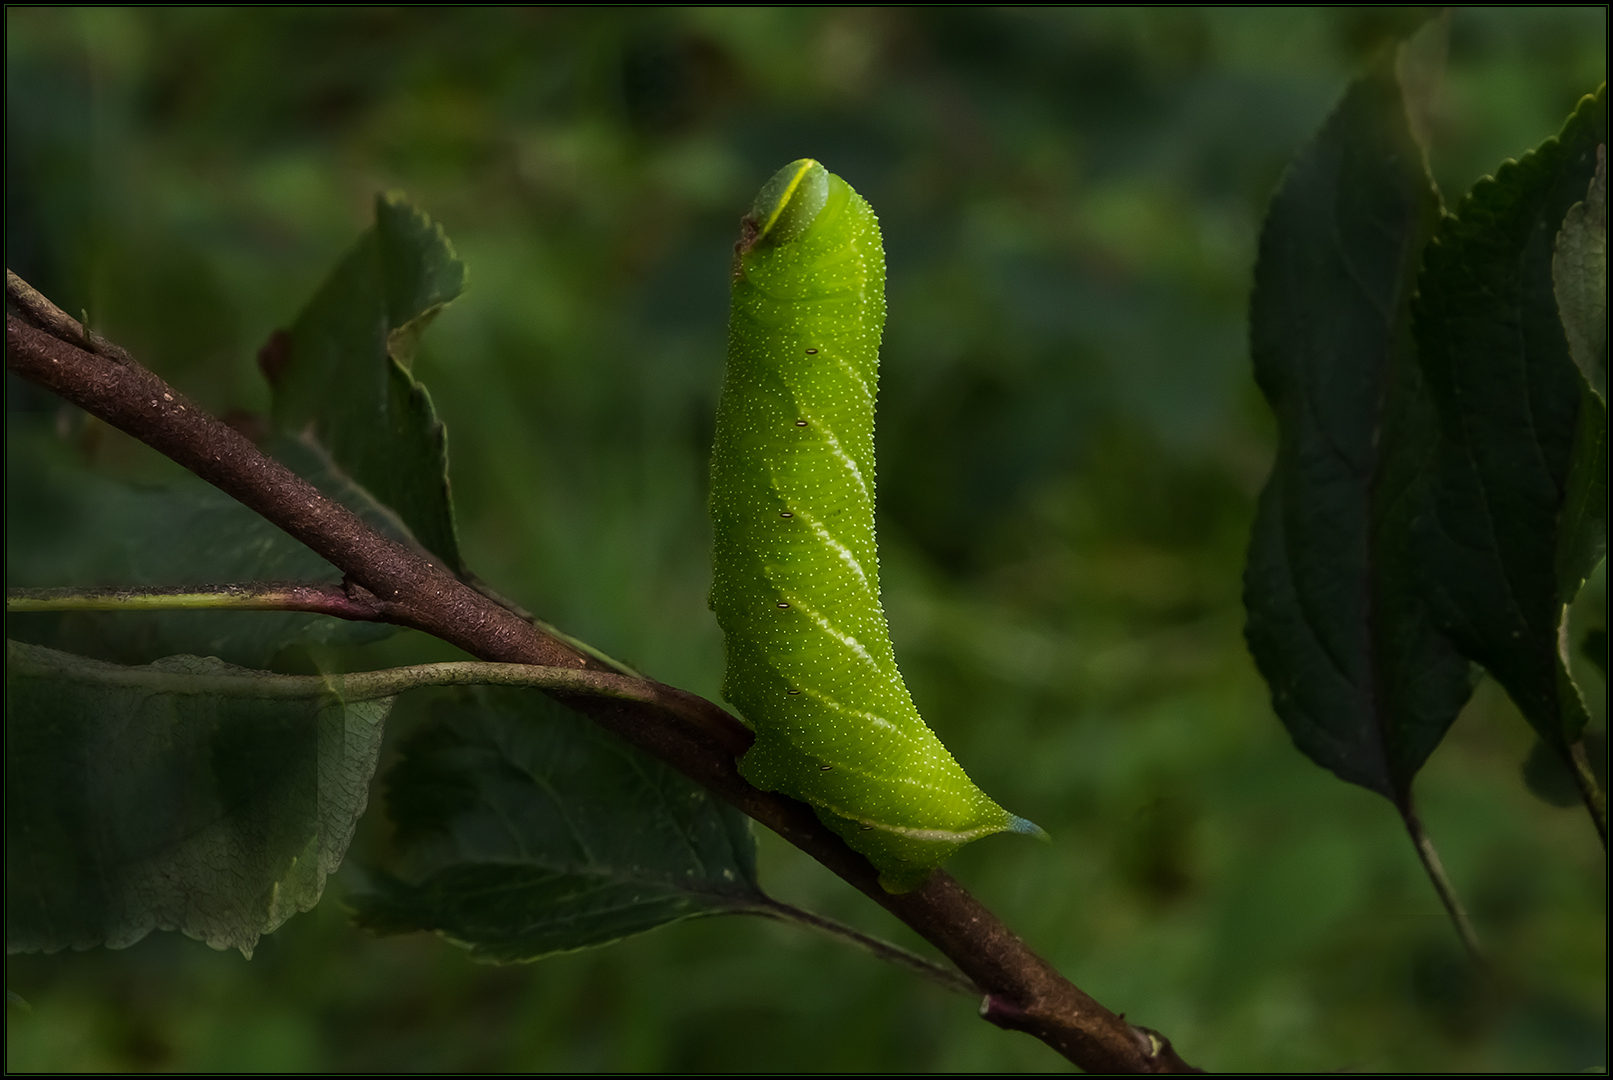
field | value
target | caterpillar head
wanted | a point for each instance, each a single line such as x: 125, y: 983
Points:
x: 785, y: 207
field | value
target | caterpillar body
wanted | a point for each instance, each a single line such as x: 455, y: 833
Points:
x: 795, y: 582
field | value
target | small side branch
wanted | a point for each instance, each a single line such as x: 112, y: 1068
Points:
x: 947, y: 978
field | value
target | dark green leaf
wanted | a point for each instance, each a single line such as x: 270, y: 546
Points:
x: 1364, y: 683
x: 68, y: 526
x: 187, y: 795
x: 1519, y: 515
x: 526, y: 830
x: 1582, y: 521
x: 1579, y: 278
x: 342, y: 376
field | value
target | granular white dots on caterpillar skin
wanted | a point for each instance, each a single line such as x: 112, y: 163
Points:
x: 837, y: 381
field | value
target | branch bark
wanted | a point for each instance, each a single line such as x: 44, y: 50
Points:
x: 695, y: 736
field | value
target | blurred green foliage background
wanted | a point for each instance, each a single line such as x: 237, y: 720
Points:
x: 1070, y: 446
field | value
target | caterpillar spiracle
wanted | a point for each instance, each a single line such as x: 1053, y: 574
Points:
x: 795, y: 582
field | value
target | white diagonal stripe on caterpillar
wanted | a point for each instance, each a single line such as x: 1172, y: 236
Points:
x: 821, y: 531
x: 841, y: 456
x: 862, y: 383
x: 872, y: 718
x: 830, y: 628
x: 807, y: 321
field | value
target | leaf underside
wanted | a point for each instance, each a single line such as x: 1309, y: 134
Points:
x: 1579, y: 278
x: 142, y: 799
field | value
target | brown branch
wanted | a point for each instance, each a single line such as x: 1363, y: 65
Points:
x: 695, y: 736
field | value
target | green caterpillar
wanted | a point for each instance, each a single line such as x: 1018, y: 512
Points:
x: 795, y: 582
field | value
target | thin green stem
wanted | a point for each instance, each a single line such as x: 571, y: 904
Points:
x: 949, y: 978
x: 248, y: 596
x: 1443, y: 886
x: 335, y: 600
x: 354, y: 686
